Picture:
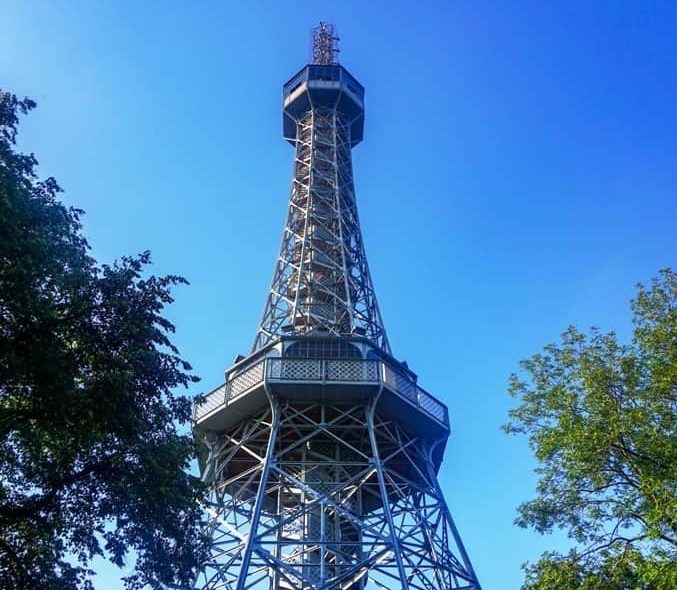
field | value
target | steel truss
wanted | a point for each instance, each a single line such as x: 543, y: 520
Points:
x: 321, y: 282
x: 319, y: 496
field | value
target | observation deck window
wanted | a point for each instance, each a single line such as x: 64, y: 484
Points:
x: 331, y: 73
x: 323, y: 349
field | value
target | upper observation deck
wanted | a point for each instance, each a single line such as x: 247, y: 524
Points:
x: 328, y: 86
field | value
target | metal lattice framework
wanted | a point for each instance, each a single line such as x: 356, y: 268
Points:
x: 325, y: 44
x: 328, y: 496
x: 321, y: 282
x: 322, y: 450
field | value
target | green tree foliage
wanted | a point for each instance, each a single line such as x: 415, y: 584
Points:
x: 601, y: 418
x: 91, y: 463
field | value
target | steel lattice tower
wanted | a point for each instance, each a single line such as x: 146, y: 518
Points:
x: 322, y: 450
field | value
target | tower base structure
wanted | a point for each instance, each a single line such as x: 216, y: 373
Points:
x: 323, y: 475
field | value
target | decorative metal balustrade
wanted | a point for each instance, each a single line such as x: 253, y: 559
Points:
x: 291, y: 369
x: 209, y: 402
x: 322, y: 370
x: 245, y: 380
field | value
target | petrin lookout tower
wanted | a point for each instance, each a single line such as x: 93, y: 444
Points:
x: 322, y: 449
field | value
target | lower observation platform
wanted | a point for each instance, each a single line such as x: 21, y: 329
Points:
x: 289, y: 369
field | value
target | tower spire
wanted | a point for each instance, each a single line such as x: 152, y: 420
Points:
x: 325, y: 45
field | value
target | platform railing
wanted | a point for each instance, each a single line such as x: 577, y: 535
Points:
x: 210, y: 401
x: 245, y: 379
x: 304, y: 369
x: 322, y: 370
x: 432, y: 406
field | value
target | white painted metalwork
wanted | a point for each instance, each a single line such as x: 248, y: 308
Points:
x: 305, y: 370
x: 328, y: 496
x: 322, y: 449
x: 211, y: 401
x: 245, y: 380
x: 321, y: 283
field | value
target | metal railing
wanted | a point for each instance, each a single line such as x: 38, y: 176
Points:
x: 298, y: 369
x: 432, y: 406
x: 324, y: 370
x: 245, y: 380
x: 210, y: 401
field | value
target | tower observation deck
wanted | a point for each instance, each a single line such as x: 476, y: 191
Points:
x: 321, y: 449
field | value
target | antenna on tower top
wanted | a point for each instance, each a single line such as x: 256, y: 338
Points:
x: 325, y: 45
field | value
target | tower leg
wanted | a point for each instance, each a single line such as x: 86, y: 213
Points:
x: 323, y: 496
x: 265, y: 464
x: 378, y: 465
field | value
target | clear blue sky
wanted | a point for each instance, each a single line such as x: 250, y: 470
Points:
x: 518, y: 174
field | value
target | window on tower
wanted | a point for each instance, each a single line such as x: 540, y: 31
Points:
x: 322, y: 349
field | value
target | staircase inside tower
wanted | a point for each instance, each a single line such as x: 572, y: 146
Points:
x: 323, y: 247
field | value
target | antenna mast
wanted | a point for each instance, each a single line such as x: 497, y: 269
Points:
x: 325, y: 45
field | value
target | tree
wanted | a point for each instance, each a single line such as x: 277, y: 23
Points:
x: 91, y: 461
x: 601, y: 418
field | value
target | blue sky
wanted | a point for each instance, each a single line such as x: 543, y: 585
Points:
x: 517, y: 175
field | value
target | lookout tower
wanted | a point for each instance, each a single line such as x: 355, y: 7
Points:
x: 322, y: 450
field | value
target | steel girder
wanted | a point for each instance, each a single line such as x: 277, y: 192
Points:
x: 319, y: 496
x: 321, y: 283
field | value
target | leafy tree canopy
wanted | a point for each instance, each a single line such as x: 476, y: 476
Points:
x: 91, y: 463
x: 601, y: 418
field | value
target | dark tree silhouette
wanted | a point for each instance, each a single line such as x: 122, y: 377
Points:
x: 91, y: 462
